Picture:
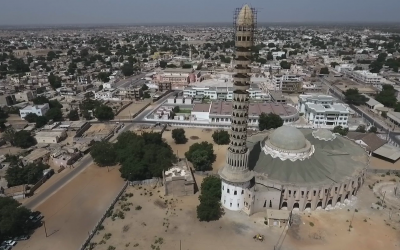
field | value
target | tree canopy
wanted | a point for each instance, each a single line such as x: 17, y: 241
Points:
x: 209, y: 208
x: 30, y: 174
x: 143, y: 156
x: 14, y: 219
x: 127, y: 69
x: 54, y: 114
x: 221, y: 137
x: 269, y: 121
x: 387, y: 96
x: 373, y: 129
x: 354, y: 97
x: 340, y: 130
x: 178, y: 135
x: 103, y: 153
x: 324, y: 71
x: 73, y: 115
x: 23, y: 139
x: 201, y: 155
x: 104, y: 113
x: 361, y: 129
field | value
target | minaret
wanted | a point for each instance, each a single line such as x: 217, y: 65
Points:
x: 235, y: 174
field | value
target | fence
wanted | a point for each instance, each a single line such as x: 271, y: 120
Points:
x: 153, y: 181
x: 94, y: 231
x: 383, y: 171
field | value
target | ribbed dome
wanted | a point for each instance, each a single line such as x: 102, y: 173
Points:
x: 289, y: 138
x: 323, y: 134
x: 245, y: 17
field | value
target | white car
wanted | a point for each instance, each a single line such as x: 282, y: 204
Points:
x: 10, y: 242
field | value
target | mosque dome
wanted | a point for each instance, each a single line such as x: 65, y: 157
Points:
x: 288, y: 138
x: 245, y: 16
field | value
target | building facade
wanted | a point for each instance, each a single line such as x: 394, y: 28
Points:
x: 366, y: 77
x: 221, y: 93
x: 39, y: 110
x: 287, y: 83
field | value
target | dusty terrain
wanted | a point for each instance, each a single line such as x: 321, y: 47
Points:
x: 132, y: 109
x: 75, y: 209
x: 165, y: 222
x: 197, y: 135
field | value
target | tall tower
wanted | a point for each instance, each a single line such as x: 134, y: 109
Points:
x: 235, y: 174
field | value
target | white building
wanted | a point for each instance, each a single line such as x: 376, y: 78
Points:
x: 344, y: 68
x: 221, y: 93
x: 39, y: 110
x: 285, y: 82
x: 366, y: 77
x: 106, y: 95
x: 109, y: 85
x: 323, y: 111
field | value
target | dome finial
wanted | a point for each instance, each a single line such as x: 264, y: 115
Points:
x: 246, y: 16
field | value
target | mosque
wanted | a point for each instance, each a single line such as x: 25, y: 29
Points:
x: 285, y: 168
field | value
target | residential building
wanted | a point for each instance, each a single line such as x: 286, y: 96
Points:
x: 25, y: 96
x: 39, y: 110
x: 327, y: 115
x: 105, y: 94
x: 131, y: 92
x: 221, y: 93
x: 53, y: 136
x: 7, y: 100
x: 109, y: 85
x: 373, y: 104
x: 162, y: 86
x: 367, y: 77
x: 287, y: 83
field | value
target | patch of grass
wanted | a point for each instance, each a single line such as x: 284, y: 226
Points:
x: 136, y: 245
x: 311, y: 224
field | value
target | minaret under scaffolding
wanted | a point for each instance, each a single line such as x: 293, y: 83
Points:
x: 235, y: 174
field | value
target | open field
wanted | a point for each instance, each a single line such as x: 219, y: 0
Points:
x: 75, y: 209
x: 197, y: 135
x: 165, y: 222
x: 132, y: 109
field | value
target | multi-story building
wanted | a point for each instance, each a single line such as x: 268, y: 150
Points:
x: 7, y: 100
x: 164, y: 86
x: 131, y: 92
x: 39, y: 110
x: 323, y: 111
x: 222, y: 93
x: 105, y: 95
x: 287, y: 83
x: 178, y: 77
x: 25, y: 96
x: 366, y: 77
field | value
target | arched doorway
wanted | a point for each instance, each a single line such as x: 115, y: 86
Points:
x: 308, y: 205
x: 329, y: 202
x: 296, y: 205
x: 284, y: 205
x: 347, y: 196
x: 354, y: 192
x: 319, y: 204
x: 338, y: 199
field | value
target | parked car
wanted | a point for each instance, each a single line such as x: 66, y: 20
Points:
x: 5, y: 247
x: 10, y: 242
x: 23, y: 237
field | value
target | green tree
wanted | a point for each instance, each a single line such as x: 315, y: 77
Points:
x: 55, y: 81
x: 143, y: 156
x: 270, y: 57
x: 361, y: 129
x: 196, y: 155
x: 163, y: 64
x: 31, y: 117
x: 340, y: 130
x: 176, y: 109
x: 285, y: 64
x: 373, y: 129
x: 334, y: 64
x: 354, y: 97
x: 387, y: 96
x: 14, y: 219
x: 41, y: 121
x: 324, y: 71
x: 178, y: 135
x: 104, y: 113
x: 221, y: 137
x: 127, y: 69
x: 103, y: 153
x: 73, y: 115
x: 54, y: 114
x: 29, y: 174
x: 209, y: 208
x: 384, y: 114
x: 23, y: 139
x: 207, y: 55
x: 269, y: 121
x: 3, y: 114
x: 145, y: 87
x: 9, y: 134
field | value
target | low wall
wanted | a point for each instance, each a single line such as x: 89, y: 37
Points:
x: 153, y: 181
x: 94, y: 231
x: 123, y: 107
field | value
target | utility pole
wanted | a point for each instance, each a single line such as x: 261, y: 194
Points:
x: 180, y: 245
x: 45, y: 229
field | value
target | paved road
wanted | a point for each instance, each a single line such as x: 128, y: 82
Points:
x: 86, y: 161
x: 135, y: 80
x: 368, y: 117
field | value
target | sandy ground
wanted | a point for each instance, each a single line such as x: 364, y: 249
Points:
x: 75, y: 209
x: 381, y: 164
x: 203, y: 135
x: 133, y: 108
x: 173, y: 220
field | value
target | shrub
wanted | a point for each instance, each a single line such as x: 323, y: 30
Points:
x: 138, y: 208
x: 311, y: 224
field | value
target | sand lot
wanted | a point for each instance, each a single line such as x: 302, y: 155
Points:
x: 203, y: 135
x: 133, y: 108
x: 165, y: 222
x: 75, y: 209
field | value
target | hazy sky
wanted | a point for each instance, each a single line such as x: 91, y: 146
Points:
x: 22, y: 12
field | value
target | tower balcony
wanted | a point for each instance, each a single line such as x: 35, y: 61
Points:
x: 242, y: 61
x: 246, y: 44
x: 242, y: 70
x: 243, y: 53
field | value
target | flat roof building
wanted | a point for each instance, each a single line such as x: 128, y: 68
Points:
x: 39, y: 110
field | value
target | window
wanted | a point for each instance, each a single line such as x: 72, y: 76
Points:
x: 302, y: 193
x: 315, y: 193
x: 222, y: 187
x: 235, y: 192
x: 231, y: 204
x: 242, y: 191
x: 228, y: 190
x: 238, y: 205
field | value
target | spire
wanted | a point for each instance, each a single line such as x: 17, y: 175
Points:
x: 245, y: 17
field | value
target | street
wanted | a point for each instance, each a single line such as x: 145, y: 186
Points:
x: 135, y: 80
